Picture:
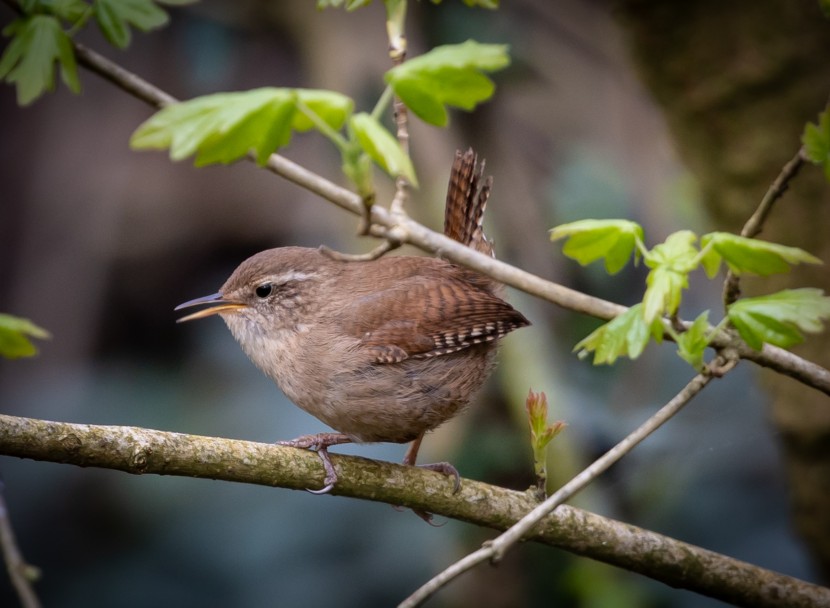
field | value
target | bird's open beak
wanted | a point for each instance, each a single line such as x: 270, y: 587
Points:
x: 215, y: 302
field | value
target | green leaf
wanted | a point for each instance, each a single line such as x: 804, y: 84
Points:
x: 68, y: 10
x: 357, y: 166
x: 488, y: 4
x: 449, y: 75
x: 692, y: 343
x: 664, y: 292
x: 14, y: 337
x: 224, y: 127
x: 29, y: 59
x: 816, y: 140
x: 116, y: 16
x: 382, y: 147
x: 671, y: 262
x: 349, y: 5
x: 625, y: 335
x: 780, y: 318
x: 332, y: 108
x: 590, y: 240
x: 743, y: 255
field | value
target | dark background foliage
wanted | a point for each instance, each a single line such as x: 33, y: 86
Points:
x: 99, y: 243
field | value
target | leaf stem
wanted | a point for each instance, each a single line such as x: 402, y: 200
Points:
x: 341, y: 142
x: 382, y: 103
x: 80, y: 22
x: 641, y: 247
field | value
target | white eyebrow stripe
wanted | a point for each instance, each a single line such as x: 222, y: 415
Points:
x: 294, y: 275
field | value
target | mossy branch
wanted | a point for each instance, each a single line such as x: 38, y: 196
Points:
x: 143, y: 451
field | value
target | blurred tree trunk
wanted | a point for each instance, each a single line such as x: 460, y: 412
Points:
x: 737, y: 82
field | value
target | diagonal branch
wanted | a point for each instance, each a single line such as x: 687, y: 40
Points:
x: 754, y: 225
x: 400, y: 228
x: 143, y: 451
x: 495, y: 550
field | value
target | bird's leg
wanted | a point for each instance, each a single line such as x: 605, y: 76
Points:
x: 320, y: 443
x: 441, y: 467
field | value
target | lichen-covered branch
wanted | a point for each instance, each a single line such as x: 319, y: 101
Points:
x: 143, y: 451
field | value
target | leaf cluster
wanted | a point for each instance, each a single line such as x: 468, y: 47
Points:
x: 777, y: 319
x: 225, y: 127
x: 42, y: 38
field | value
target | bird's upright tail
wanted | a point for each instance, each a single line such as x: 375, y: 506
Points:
x: 467, y: 196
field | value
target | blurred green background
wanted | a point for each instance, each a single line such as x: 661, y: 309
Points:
x: 99, y: 243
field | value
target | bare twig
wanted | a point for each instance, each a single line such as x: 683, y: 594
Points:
x: 21, y: 573
x: 754, y: 225
x: 495, y: 550
x: 144, y: 451
x: 397, y: 53
x: 123, y: 79
x: 406, y: 230
x: 382, y: 249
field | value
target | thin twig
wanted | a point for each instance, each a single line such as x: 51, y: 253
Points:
x: 754, y: 225
x: 495, y: 550
x: 397, y: 53
x: 145, y: 451
x: 122, y: 78
x: 409, y: 231
x: 20, y: 572
x: 382, y: 249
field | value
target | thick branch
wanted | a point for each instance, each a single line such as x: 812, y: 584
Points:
x: 142, y: 451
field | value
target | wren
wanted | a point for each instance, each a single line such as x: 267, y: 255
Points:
x: 383, y: 350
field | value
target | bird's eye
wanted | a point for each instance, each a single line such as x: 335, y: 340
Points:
x: 264, y: 290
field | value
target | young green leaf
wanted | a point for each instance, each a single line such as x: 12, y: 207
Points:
x: 743, y: 255
x: 382, y: 147
x: 449, y: 75
x: 332, y: 108
x: 779, y: 318
x: 224, y: 127
x: 68, y: 10
x: 671, y: 262
x: 816, y: 140
x: 692, y: 343
x: 626, y: 335
x: 541, y: 433
x: 590, y: 240
x: 116, y: 16
x: 14, y: 337
x: 29, y: 59
x: 349, y: 5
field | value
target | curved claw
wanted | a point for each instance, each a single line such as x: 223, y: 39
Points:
x: 320, y: 444
x: 324, y: 490
x: 447, y: 469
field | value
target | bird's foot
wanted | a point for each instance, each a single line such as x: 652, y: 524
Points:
x: 447, y: 469
x: 320, y: 443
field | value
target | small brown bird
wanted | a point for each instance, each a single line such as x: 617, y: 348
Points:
x: 383, y: 350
